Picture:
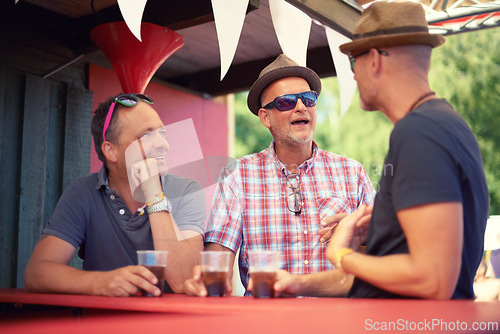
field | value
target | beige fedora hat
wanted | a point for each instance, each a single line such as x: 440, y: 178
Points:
x: 393, y: 23
x: 281, y: 67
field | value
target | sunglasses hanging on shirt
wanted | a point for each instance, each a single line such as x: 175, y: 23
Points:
x: 294, y: 199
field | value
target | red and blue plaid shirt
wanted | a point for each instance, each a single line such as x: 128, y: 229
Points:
x: 249, y: 208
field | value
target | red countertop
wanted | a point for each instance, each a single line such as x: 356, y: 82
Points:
x: 185, y: 314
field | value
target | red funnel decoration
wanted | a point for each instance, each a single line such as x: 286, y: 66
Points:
x: 136, y: 62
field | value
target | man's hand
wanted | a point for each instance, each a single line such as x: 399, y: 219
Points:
x: 195, y: 287
x: 145, y: 176
x: 47, y: 272
x: 286, y: 285
x: 126, y: 281
x: 350, y: 232
x: 329, y: 224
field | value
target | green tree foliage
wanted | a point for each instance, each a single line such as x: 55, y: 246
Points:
x: 465, y: 71
x: 360, y: 135
x: 250, y: 135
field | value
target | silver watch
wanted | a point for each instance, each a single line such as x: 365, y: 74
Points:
x: 163, y: 205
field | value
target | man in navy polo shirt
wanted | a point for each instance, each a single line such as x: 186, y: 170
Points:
x: 109, y: 220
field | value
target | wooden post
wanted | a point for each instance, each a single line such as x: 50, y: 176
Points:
x: 11, y: 117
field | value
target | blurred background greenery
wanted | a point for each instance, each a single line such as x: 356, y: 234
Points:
x: 465, y: 71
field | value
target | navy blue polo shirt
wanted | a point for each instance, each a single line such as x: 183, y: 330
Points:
x: 93, y: 217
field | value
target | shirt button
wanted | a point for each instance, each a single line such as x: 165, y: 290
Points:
x: 112, y: 196
x: 122, y: 212
x: 306, y: 262
x: 305, y: 231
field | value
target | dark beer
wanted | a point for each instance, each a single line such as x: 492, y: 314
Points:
x: 263, y: 284
x: 159, y: 272
x: 215, y: 282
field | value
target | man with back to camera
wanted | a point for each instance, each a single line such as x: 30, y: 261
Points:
x: 276, y: 199
x: 425, y: 235
x: 102, y: 215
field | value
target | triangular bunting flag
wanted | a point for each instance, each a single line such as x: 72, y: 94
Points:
x: 229, y: 16
x: 132, y: 11
x: 344, y: 74
x: 292, y: 27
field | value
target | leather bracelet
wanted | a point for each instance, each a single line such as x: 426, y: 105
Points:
x: 157, y: 198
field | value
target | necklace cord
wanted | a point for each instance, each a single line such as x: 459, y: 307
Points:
x: 420, y: 99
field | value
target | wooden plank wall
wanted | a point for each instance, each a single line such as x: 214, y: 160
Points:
x: 44, y: 144
x: 33, y: 155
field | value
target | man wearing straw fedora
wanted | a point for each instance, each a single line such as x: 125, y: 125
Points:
x: 424, y: 235
x: 276, y: 199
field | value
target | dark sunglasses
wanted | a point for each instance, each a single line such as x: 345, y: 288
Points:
x: 352, y: 59
x: 289, y: 101
x: 128, y: 100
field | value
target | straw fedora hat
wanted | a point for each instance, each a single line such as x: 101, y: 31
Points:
x: 281, y: 67
x: 391, y: 24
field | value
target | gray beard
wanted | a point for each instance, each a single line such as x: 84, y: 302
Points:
x: 290, y: 138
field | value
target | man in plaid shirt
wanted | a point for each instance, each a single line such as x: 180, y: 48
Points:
x: 277, y: 199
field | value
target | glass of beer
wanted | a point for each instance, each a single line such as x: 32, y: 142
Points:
x: 214, y: 269
x: 156, y: 262
x: 264, y: 265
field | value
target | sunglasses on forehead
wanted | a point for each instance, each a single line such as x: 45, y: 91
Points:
x: 289, y: 101
x: 128, y: 100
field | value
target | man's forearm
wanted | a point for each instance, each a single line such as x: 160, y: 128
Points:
x: 183, y: 253
x: 394, y: 273
x: 432, y: 266
x: 53, y: 277
x: 331, y: 283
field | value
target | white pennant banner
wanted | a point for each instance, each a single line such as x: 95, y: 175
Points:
x: 229, y: 16
x: 345, y: 76
x: 132, y: 11
x: 292, y: 27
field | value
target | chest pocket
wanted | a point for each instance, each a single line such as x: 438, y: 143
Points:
x: 330, y: 206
